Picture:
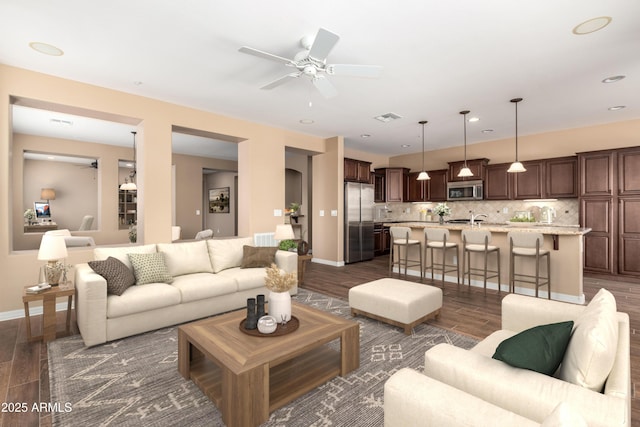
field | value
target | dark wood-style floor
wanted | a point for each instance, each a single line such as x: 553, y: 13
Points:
x: 24, y: 376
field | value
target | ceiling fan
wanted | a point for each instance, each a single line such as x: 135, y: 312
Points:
x: 312, y: 62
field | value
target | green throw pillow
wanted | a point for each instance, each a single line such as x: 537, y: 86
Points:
x: 539, y: 349
x: 150, y: 268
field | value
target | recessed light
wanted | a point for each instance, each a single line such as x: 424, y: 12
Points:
x: 365, y: 135
x: 307, y: 121
x: 406, y: 145
x: 617, y: 107
x: 46, y: 49
x: 388, y: 117
x: 487, y: 130
x: 474, y: 119
x: 591, y: 25
x: 613, y: 79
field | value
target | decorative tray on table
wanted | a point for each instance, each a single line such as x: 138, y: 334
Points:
x: 281, y: 329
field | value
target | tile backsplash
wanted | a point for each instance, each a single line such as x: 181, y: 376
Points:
x: 498, y: 211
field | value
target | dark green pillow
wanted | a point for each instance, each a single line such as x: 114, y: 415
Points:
x: 539, y: 349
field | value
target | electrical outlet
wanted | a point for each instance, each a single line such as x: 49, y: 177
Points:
x: 505, y: 210
x: 197, y: 211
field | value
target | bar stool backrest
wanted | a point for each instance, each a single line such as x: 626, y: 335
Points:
x: 436, y: 234
x: 476, y: 237
x: 400, y: 235
x: 521, y: 239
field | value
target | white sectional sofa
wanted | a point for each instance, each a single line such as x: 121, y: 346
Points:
x: 204, y: 278
x: 470, y: 388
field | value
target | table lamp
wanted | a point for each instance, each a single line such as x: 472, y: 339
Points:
x: 52, y: 249
x: 284, y: 232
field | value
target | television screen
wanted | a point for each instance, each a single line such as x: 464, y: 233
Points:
x: 42, y: 209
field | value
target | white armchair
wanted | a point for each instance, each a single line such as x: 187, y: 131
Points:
x: 72, y: 241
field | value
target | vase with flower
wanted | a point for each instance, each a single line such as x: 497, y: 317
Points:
x: 279, y: 285
x: 29, y: 216
x: 442, y: 210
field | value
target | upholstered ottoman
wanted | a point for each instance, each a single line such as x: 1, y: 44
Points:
x: 397, y: 302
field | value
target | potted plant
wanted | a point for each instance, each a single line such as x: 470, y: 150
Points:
x: 29, y: 215
x: 295, y: 211
x: 441, y: 210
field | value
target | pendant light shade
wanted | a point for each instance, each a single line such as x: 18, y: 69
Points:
x: 131, y: 186
x: 516, y: 166
x: 423, y: 176
x: 465, y: 172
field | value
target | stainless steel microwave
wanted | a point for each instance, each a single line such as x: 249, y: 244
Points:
x: 465, y: 190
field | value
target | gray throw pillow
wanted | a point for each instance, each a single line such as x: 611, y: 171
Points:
x: 116, y: 273
x: 150, y: 268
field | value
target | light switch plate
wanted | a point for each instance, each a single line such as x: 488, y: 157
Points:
x: 277, y: 212
x: 321, y: 213
x: 334, y: 212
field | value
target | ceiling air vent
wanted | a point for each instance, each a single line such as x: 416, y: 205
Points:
x: 388, y: 117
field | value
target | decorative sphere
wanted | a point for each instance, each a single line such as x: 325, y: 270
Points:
x: 267, y: 324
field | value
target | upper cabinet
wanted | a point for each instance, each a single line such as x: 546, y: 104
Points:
x: 477, y: 167
x: 357, y: 170
x: 437, y: 186
x: 628, y: 172
x: 497, y: 182
x: 529, y: 184
x: 599, y: 179
x: 394, y: 184
x: 561, y: 177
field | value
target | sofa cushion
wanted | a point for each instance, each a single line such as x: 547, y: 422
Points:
x: 150, y: 268
x: 564, y: 415
x: 138, y: 299
x: 539, y: 349
x: 121, y: 253
x: 227, y: 253
x: 255, y: 257
x: 199, y: 286
x: 118, y: 276
x: 246, y: 278
x: 594, y: 342
x: 186, y: 258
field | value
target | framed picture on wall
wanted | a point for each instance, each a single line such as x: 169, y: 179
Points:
x: 219, y: 200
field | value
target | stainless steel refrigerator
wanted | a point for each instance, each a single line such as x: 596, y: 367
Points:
x: 358, y: 222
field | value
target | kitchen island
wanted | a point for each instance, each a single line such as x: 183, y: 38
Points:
x: 564, y: 242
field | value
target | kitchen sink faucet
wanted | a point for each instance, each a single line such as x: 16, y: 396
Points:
x: 474, y: 217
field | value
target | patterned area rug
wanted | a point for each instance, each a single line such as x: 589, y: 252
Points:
x: 135, y: 381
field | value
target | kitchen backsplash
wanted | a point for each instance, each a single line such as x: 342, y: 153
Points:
x: 567, y: 210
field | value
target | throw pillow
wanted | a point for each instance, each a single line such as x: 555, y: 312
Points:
x: 539, y: 349
x: 255, y: 257
x: 150, y: 268
x: 227, y: 253
x: 594, y: 343
x: 117, y: 275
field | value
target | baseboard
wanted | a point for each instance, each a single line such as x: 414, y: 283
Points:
x: 33, y: 311
x: 328, y: 262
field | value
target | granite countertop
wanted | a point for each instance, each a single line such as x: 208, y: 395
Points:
x: 557, y: 229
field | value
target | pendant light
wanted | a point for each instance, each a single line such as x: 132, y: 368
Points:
x: 423, y: 175
x: 516, y: 166
x: 465, y: 172
x: 131, y: 186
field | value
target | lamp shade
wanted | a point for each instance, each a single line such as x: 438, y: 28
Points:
x: 129, y: 186
x: 423, y: 176
x: 516, y: 167
x: 465, y: 172
x: 52, y: 248
x: 48, y: 194
x: 284, y: 232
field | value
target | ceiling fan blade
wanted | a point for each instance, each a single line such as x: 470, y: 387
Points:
x: 372, y: 71
x: 280, y: 81
x: 266, y: 55
x: 325, y: 41
x: 324, y: 86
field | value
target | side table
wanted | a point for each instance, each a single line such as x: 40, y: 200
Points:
x: 302, y: 265
x: 48, y: 299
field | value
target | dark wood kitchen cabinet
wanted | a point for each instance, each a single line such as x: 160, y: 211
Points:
x: 381, y: 240
x: 437, y: 187
x: 529, y: 184
x: 477, y: 167
x: 379, y: 190
x: 357, y: 170
x: 394, y: 183
x: 561, y: 178
x: 497, y: 183
x: 610, y: 206
x: 416, y: 190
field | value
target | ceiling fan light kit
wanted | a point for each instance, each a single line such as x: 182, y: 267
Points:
x: 516, y: 166
x: 465, y: 172
x: 312, y: 62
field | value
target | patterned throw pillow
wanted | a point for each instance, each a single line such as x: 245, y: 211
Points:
x: 118, y: 276
x: 150, y: 268
x: 255, y: 257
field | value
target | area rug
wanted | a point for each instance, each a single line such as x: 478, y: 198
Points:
x: 135, y: 381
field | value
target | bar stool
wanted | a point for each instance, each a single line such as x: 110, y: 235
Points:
x: 477, y: 241
x: 438, y: 239
x: 526, y: 244
x: 400, y: 239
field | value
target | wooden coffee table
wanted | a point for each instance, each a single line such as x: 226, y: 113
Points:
x: 249, y: 377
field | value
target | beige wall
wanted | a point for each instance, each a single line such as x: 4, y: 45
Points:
x: 260, y: 166
x: 541, y: 146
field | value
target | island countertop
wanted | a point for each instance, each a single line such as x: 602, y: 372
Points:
x: 557, y: 229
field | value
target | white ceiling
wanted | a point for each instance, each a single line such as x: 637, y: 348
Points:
x: 438, y: 58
